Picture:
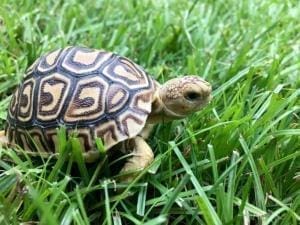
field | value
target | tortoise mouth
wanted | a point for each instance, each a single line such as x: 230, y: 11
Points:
x: 172, y: 114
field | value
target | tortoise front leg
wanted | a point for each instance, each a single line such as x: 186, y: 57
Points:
x: 142, y: 157
x: 3, y: 138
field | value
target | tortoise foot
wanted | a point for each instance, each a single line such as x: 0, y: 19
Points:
x: 142, y: 157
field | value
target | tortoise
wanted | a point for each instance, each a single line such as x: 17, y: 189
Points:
x: 97, y: 94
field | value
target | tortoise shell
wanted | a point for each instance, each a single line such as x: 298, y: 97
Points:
x: 93, y: 92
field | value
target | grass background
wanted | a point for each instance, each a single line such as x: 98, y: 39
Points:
x: 235, y: 162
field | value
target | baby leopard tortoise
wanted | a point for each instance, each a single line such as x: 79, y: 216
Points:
x: 96, y: 94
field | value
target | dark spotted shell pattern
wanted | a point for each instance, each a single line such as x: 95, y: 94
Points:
x: 92, y: 92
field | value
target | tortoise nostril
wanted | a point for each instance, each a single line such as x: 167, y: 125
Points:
x: 192, y: 95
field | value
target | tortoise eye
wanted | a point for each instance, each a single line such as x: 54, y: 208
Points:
x: 192, y: 96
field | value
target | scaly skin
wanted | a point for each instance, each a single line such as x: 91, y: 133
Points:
x: 178, y: 98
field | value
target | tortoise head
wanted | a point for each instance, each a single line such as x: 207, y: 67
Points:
x: 184, y: 95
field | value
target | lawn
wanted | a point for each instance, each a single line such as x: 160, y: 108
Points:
x: 235, y: 162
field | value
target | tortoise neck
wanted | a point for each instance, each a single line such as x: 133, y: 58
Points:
x: 160, y: 112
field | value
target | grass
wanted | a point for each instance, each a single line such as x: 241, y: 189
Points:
x: 235, y: 162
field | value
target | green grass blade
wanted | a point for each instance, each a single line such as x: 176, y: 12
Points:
x: 174, y: 194
x: 284, y: 206
x: 156, y: 221
x: 258, y: 187
x: 107, y: 204
x: 80, y: 199
x: 141, y: 204
x: 78, y: 156
x: 205, y: 206
x: 231, y: 187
